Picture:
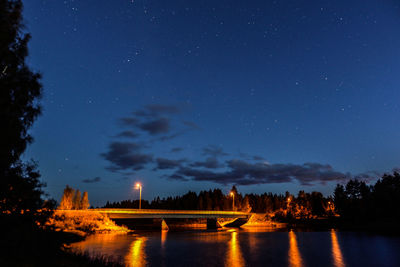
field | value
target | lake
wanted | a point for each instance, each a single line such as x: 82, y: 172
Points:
x: 246, y: 247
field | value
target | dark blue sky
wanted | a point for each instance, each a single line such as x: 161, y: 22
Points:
x: 192, y: 95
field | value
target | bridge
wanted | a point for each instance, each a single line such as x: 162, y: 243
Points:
x: 162, y: 217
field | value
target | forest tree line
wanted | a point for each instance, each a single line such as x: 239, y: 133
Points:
x: 304, y: 205
x: 355, y: 200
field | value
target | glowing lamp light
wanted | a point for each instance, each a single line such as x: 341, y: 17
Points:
x: 139, y: 186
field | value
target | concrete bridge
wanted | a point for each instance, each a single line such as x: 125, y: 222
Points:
x: 161, y: 218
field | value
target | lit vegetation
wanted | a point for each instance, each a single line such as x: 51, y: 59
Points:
x: 72, y: 200
x: 72, y: 216
x: 84, y: 222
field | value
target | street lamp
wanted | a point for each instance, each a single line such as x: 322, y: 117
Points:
x: 288, y: 202
x: 139, y: 186
x: 233, y: 200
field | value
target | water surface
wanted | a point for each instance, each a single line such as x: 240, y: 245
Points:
x: 246, y: 247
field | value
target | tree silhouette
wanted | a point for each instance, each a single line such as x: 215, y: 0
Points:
x: 85, y: 201
x: 20, y: 90
x: 76, y: 201
x: 67, y: 199
x: 22, y: 209
x: 356, y: 201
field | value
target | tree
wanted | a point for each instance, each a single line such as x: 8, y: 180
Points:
x: 20, y: 90
x: 67, y: 199
x: 85, y: 201
x: 22, y: 209
x: 317, y: 203
x: 76, y: 201
x: 340, y: 199
x: 386, y: 194
x: 245, y: 204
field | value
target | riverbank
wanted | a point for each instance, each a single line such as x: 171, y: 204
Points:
x: 83, y: 223
x: 264, y: 220
x: 381, y: 226
x: 21, y: 245
x: 44, y: 247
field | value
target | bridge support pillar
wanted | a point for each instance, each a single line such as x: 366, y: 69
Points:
x: 213, y: 224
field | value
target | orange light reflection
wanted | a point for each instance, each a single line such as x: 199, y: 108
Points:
x: 137, y: 255
x: 295, y: 259
x: 234, y: 255
x: 163, y: 237
x: 336, y: 252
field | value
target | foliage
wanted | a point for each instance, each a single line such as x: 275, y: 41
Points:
x: 83, y: 221
x: 20, y: 86
x: 20, y: 89
x: 306, y: 205
x: 76, y: 201
x: 85, y: 201
x: 66, y: 199
x: 72, y: 200
x: 358, y: 201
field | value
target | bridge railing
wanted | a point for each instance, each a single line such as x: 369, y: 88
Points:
x: 156, y: 211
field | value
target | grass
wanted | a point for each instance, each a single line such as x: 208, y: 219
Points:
x: 84, y: 222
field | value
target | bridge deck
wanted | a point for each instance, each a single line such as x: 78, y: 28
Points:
x: 171, y: 214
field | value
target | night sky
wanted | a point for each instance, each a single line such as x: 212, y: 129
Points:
x: 191, y: 95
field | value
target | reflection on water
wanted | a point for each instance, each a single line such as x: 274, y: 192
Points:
x: 234, y: 255
x: 114, y: 245
x: 241, y: 247
x: 295, y: 259
x: 336, y: 252
x: 163, y: 237
x: 137, y: 254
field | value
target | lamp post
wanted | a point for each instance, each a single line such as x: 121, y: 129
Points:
x: 288, y: 202
x: 233, y: 201
x: 139, y: 186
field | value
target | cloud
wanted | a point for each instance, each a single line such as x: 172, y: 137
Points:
x: 157, y: 126
x: 191, y: 125
x: 209, y: 163
x: 156, y: 123
x: 169, y: 137
x: 128, y: 134
x: 368, y: 176
x: 93, y: 180
x: 153, y: 119
x: 177, y: 177
x: 128, y: 121
x: 176, y: 149
x: 249, y: 157
x: 124, y: 156
x: 163, y: 109
x: 156, y: 110
x: 245, y: 173
x: 214, y: 151
x: 202, y: 175
x: 163, y: 163
x: 397, y: 169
